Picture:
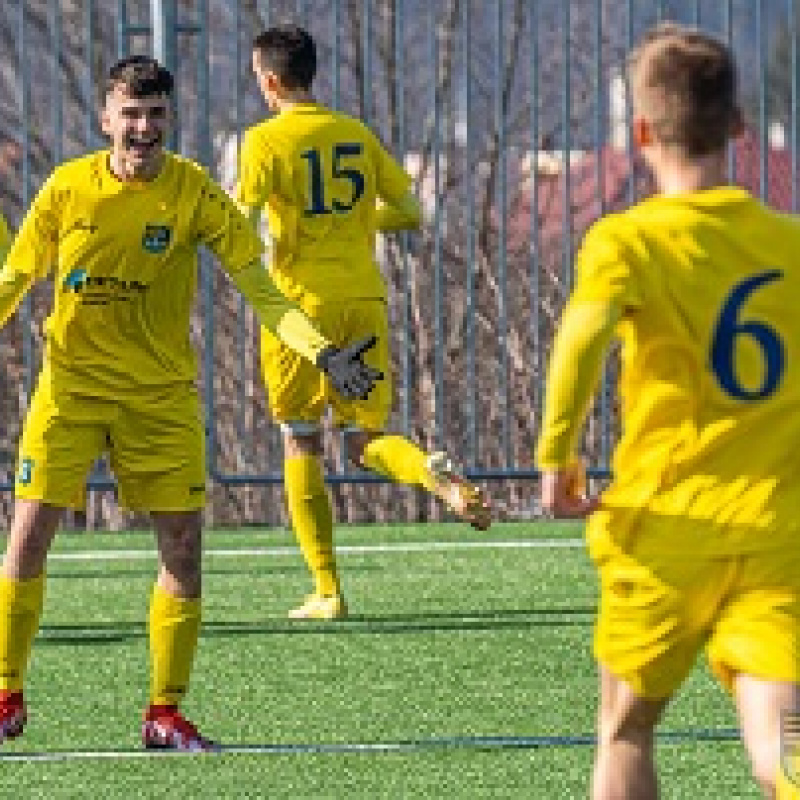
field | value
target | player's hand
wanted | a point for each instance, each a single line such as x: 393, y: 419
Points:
x: 346, y: 370
x: 564, y: 493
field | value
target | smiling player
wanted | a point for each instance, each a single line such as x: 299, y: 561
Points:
x: 120, y: 229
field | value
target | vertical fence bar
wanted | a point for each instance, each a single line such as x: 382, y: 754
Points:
x: 438, y: 277
x: 164, y: 25
x: 405, y: 300
x: 205, y: 155
x: 122, y: 29
x: 469, y: 198
x: 242, y: 311
x: 56, y: 95
x: 534, y: 278
x: 607, y: 388
x: 336, y: 54
x: 696, y: 18
x: 502, y: 202
x: 566, y: 126
x: 794, y: 112
x: 762, y: 55
x: 629, y: 25
x: 88, y: 89
x: 26, y: 315
x: 728, y: 25
x: 367, y: 47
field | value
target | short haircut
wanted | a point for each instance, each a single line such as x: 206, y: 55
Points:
x: 142, y: 76
x: 683, y: 82
x: 290, y: 53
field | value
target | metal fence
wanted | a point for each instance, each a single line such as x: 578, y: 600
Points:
x: 511, y: 117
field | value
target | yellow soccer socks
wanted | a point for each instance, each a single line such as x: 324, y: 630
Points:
x: 20, y: 608
x: 174, y: 630
x: 398, y: 459
x: 312, y: 518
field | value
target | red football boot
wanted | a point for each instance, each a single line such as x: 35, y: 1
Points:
x: 165, y: 728
x: 12, y: 715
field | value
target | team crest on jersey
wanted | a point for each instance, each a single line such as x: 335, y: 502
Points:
x: 790, y: 747
x: 156, y: 238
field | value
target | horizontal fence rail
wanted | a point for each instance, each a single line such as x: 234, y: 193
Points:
x: 511, y: 118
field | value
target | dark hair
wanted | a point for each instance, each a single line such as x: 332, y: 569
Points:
x: 289, y: 52
x: 684, y: 82
x: 142, y: 76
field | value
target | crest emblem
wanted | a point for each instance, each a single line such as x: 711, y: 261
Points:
x: 156, y: 238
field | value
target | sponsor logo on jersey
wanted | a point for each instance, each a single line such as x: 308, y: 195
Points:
x: 100, y: 289
x: 75, y: 280
x: 156, y: 238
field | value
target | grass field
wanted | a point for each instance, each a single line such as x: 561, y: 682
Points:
x: 459, y: 660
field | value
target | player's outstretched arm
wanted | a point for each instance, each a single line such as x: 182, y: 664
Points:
x: 578, y: 354
x: 13, y: 288
x: 344, y: 367
x: 403, y: 214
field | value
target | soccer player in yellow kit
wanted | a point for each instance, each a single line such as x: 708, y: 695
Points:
x: 119, y: 229
x: 696, y: 540
x: 328, y: 185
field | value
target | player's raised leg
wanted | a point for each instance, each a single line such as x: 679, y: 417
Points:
x: 762, y: 706
x: 311, y: 514
x: 21, y: 601
x: 402, y: 461
x: 624, y: 768
x: 174, y: 626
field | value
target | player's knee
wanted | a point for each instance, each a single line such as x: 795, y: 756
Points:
x: 179, y: 542
x: 631, y: 723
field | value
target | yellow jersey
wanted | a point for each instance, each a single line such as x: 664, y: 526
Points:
x: 124, y: 261
x: 319, y: 173
x: 704, y: 286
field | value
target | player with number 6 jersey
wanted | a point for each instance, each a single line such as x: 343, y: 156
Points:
x: 697, y: 539
x: 710, y: 373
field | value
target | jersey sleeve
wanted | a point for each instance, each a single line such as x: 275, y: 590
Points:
x: 392, y: 181
x: 257, y: 172
x: 34, y: 250
x: 225, y: 230
x: 605, y: 267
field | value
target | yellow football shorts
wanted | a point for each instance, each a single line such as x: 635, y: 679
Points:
x: 154, y: 438
x: 299, y: 392
x: 655, y: 617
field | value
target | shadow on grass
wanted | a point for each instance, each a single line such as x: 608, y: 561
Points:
x: 149, y: 571
x: 509, y: 619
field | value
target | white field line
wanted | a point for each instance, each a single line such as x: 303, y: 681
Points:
x: 410, y: 547
x: 469, y: 742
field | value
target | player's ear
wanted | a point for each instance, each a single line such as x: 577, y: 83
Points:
x: 641, y: 132
x: 105, y: 122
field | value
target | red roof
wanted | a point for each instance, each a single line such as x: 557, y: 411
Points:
x: 606, y: 174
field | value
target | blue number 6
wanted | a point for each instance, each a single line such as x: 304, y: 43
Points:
x: 728, y: 328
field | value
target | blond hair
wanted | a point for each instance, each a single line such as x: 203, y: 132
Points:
x: 683, y: 82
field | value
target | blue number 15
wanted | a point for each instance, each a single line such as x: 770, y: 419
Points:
x: 340, y: 170
x: 728, y: 328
